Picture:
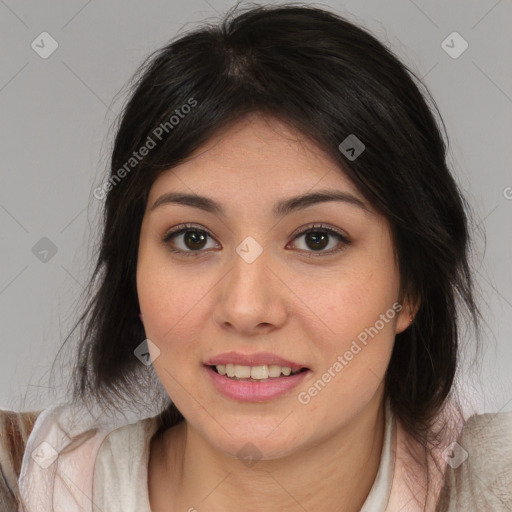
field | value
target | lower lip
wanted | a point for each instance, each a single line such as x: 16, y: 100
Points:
x: 247, y: 391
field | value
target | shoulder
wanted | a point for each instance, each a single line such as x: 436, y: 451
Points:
x: 135, y: 435
x: 68, y: 436
x: 15, y: 428
x: 120, y: 474
x: 479, y: 470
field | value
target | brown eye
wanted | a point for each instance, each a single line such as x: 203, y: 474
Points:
x: 194, y: 240
x: 187, y: 240
x: 317, y: 238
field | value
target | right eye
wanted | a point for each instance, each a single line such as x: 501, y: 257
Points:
x: 192, y: 239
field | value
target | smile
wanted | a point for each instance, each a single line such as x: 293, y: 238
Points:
x: 260, y: 388
x: 259, y: 373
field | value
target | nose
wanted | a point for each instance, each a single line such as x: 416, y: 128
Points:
x: 251, y: 299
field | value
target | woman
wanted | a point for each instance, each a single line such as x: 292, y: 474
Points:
x: 285, y: 246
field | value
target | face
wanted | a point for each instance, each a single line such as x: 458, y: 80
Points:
x: 315, y: 283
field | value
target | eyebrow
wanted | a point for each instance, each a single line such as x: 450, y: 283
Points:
x: 282, y: 208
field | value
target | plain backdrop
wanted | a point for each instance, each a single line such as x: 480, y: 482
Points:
x: 56, y: 129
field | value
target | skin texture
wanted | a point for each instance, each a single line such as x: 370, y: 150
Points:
x: 322, y: 455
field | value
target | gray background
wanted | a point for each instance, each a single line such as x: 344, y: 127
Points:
x: 56, y: 131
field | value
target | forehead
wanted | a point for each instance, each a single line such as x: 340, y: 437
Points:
x: 257, y: 158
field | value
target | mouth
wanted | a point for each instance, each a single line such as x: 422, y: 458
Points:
x: 256, y: 386
x: 261, y: 373
x: 256, y: 377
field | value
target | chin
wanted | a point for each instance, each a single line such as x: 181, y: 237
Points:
x: 265, y: 443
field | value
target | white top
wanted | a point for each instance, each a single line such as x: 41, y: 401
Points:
x: 121, y: 474
x: 121, y: 469
x: 77, y: 459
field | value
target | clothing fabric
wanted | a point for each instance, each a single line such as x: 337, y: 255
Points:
x: 78, y: 460
x: 120, y: 482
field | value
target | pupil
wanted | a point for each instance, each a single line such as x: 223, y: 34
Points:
x: 196, y: 238
x: 316, y: 237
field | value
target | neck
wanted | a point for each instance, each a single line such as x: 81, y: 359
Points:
x: 187, y: 473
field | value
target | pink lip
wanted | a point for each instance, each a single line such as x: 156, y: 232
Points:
x: 259, y: 359
x: 246, y: 391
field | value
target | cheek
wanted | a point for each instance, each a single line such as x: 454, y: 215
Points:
x: 171, y: 312
x: 170, y: 301
x: 353, y: 298
x: 358, y: 311
x: 354, y: 351
x: 360, y: 306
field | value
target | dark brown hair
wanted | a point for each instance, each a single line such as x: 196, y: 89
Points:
x: 328, y: 78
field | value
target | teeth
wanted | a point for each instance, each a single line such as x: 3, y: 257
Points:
x: 257, y: 372
x: 262, y: 372
x: 243, y: 372
x: 274, y: 370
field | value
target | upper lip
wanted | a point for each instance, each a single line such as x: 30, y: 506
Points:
x: 258, y: 359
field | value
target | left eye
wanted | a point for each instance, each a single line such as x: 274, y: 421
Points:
x: 318, y: 239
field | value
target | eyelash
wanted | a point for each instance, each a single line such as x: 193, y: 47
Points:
x: 317, y: 228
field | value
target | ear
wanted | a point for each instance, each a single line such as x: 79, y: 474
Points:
x: 406, y: 316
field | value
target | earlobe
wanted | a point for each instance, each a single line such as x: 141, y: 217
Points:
x: 405, y: 318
